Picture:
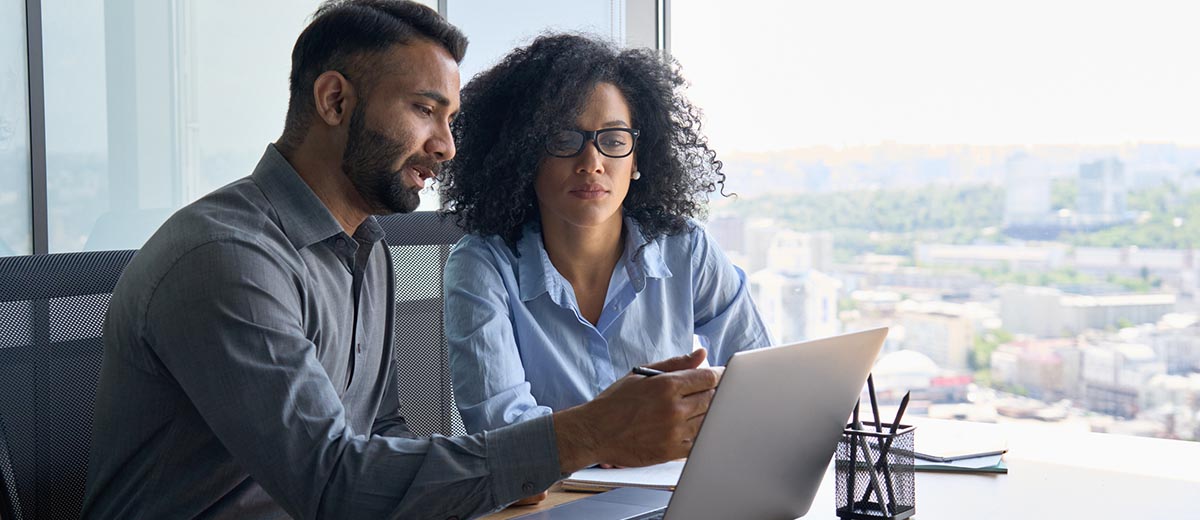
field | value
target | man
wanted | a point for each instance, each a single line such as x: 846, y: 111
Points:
x: 247, y: 369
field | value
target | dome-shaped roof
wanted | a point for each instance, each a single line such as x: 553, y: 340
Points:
x: 906, y: 363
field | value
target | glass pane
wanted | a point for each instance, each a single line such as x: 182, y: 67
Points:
x: 495, y: 28
x: 1024, y: 212
x: 150, y: 105
x: 16, y: 227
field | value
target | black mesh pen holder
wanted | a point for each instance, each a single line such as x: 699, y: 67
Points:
x: 874, y: 473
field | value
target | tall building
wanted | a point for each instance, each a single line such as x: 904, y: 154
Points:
x: 796, y: 305
x: 1177, y: 342
x: 939, y: 330
x: 1047, y: 369
x: 1113, y: 373
x: 729, y: 231
x: 796, y: 251
x: 758, y: 234
x: 1102, y: 190
x: 1026, y: 191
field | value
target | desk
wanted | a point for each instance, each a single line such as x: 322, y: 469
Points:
x: 1052, y: 474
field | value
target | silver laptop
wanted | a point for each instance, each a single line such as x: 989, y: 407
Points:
x: 768, y: 437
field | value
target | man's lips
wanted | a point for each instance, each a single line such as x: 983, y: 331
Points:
x: 417, y: 175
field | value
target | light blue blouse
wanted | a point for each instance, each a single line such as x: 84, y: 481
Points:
x: 520, y: 348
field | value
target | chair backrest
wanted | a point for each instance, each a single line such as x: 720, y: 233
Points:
x: 52, y: 311
x: 419, y: 243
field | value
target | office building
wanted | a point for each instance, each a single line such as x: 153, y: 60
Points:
x: 1114, y: 372
x: 1046, y: 369
x: 1026, y: 191
x: 796, y: 305
x: 942, y: 331
x: 1102, y: 193
x: 796, y: 251
x: 1033, y: 257
x: 1048, y: 312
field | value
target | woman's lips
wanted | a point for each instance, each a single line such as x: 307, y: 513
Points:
x: 591, y: 191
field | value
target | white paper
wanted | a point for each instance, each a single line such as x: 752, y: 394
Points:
x: 659, y: 476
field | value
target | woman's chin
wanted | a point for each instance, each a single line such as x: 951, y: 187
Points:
x: 590, y: 219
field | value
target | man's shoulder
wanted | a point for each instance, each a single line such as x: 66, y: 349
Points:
x: 235, y: 217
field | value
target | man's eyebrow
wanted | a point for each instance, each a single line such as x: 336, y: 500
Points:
x: 616, y: 122
x: 436, y: 96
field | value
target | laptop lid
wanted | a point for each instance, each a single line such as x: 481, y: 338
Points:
x: 772, y: 429
x: 766, y: 441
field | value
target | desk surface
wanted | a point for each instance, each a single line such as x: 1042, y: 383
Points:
x: 1052, y: 474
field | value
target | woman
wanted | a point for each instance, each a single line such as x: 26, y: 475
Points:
x: 579, y: 169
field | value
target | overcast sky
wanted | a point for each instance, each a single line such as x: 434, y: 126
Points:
x: 787, y: 73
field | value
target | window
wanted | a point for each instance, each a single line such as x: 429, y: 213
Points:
x: 495, y: 28
x: 1013, y: 188
x: 16, y: 237
x: 151, y: 105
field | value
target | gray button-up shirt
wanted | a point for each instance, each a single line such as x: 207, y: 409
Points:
x: 244, y: 377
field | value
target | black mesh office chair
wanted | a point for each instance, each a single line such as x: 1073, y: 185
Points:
x: 419, y: 243
x: 52, y: 311
x: 51, y: 320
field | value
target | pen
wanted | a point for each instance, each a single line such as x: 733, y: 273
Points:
x: 886, y: 446
x: 648, y: 372
x: 874, y: 478
x: 953, y: 458
x: 883, y: 501
x: 854, y: 461
x: 900, y: 412
x: 874, y: 403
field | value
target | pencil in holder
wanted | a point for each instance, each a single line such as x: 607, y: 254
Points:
x: 874, y: 473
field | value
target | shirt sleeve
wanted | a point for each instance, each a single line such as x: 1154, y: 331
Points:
x: 726, y: 319
x: 226, y: 321
x: 489, y: 378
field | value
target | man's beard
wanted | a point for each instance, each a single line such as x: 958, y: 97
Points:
x: 368, y: 161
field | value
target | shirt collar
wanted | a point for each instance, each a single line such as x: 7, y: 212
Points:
x: 539, y: 276
x: 642, y: 262
x: 304, y: 218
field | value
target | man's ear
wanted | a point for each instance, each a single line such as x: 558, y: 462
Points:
x: 334, y: 97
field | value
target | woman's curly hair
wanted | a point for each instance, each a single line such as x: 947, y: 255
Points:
x: 509, y: 111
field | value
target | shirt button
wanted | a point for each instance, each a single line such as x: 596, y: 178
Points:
x: 527, y: 488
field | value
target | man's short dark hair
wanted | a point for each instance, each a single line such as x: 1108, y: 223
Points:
x: 344, y: 32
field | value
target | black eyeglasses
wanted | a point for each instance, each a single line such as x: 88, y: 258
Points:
x: 610, y: 142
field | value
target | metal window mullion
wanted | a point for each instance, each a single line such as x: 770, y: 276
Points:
x: 663, y: 15
x: 37, y: 127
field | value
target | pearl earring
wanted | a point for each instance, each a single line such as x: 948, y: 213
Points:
x: 636, y: 175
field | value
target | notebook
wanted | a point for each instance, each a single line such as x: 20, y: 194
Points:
x: 659, y: 476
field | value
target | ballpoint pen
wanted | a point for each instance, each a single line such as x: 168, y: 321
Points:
x: 853, y: 461
x: 886, y: 446
x: 900, y: 412
x: 874, y: 403
x: 871, y: 471
x: 648, y: 372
